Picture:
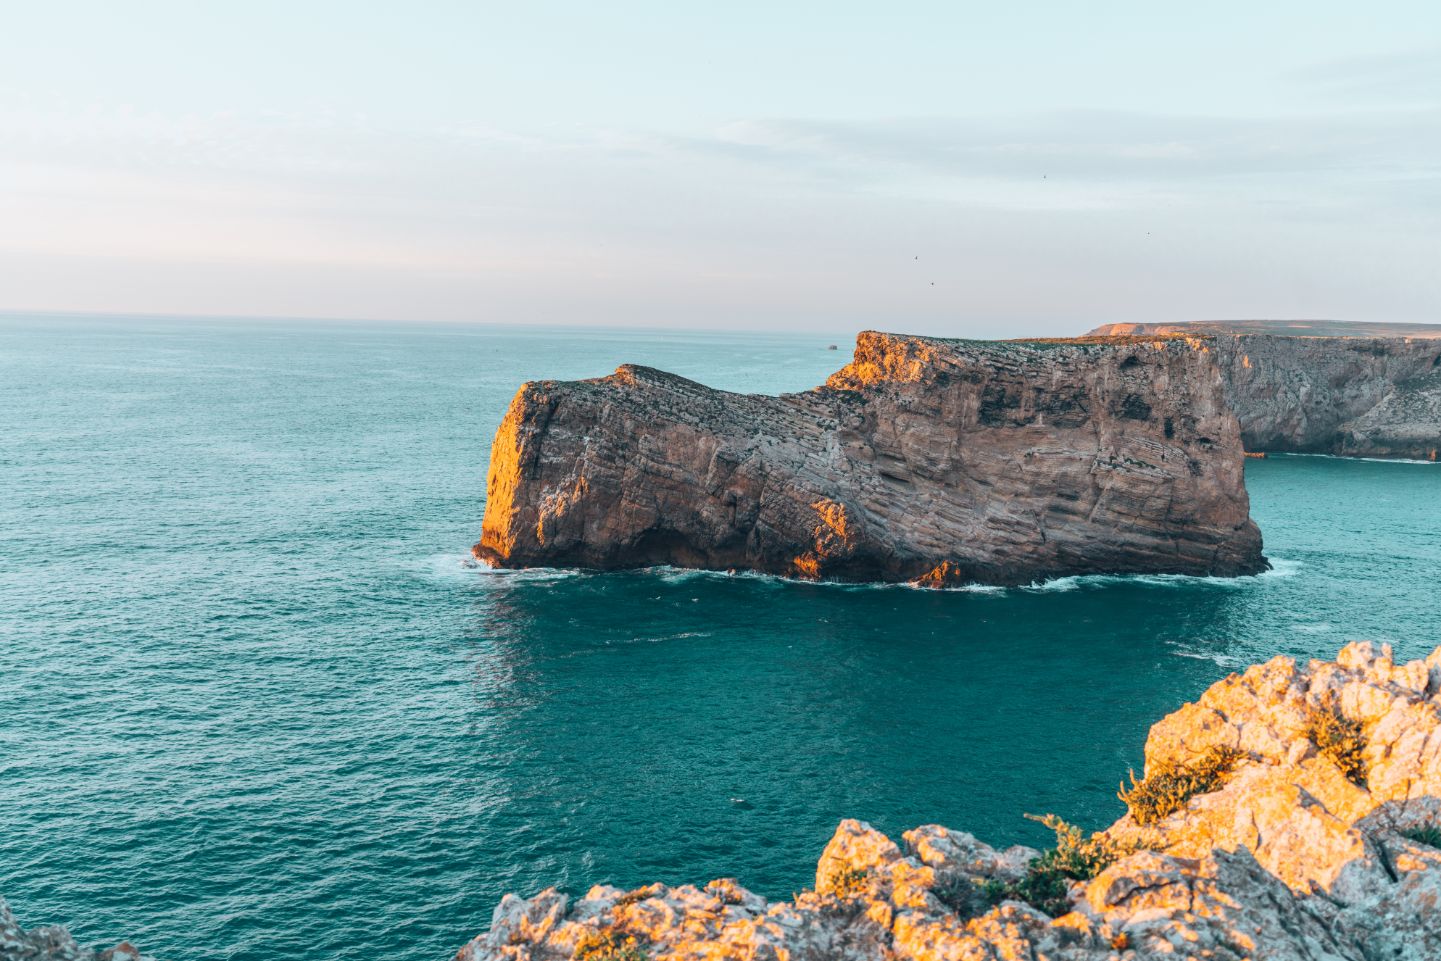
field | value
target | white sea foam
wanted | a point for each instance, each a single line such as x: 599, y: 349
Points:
x: 450, y: 566
x: 1369, y: 460
x: 537, y: 574
x: 1220, y: 660
x: 1280, y: 567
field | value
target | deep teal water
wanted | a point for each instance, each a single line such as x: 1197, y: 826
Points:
x: 253, y: 706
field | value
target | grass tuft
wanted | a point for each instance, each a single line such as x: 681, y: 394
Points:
x: 1427, y: 834
x: 1170, y: 785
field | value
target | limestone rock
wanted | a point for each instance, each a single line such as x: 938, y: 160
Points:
x: 927, y: 460
x: 1290, y: 859
x: 1363, y: 390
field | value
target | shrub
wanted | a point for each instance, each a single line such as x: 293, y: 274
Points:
x: 851, y: 883
x: 1427, y: 834
x: 1075, y: 857
x: 1339, y: 738
x: 610, y: 946
x: 961, y: 895
x: 1171, y: 784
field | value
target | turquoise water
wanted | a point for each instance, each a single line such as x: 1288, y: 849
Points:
x: 254, y: 706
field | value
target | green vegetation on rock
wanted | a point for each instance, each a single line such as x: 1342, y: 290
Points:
x: 1075, y: 857
x: 1339, y: 738
x: 1171, y: 784
x: 610, y: 946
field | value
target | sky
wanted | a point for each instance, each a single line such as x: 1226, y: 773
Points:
x: 999, y: 169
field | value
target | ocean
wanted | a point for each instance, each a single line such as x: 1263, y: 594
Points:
x: 255, y: 704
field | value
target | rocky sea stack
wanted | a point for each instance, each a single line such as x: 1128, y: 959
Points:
x: 1326, y: 387
x: 1293, y: 812
x: 927, y: 460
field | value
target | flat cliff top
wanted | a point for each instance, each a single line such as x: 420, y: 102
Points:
x: 1275, y: 328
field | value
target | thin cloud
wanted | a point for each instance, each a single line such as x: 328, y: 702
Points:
x: 1406, y: 77
x: 1095, y: 146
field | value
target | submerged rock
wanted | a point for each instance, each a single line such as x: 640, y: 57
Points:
x: 1317, y: 387
x: 1296, y: 856
x: 927, y: 460
x: 53, y: 944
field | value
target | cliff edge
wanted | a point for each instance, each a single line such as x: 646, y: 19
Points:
x: 1292, y: 812
x: 927, y: 460
x: 1325, y: 387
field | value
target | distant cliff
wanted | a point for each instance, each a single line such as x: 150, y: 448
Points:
x: 927, y: 460
x: 1326, y: 387
x: 1293, y: 813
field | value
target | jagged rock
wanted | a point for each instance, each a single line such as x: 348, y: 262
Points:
x: 53, y: 944
x: 1363, y: 390
x: 1290, y: 859
x: 927, y: 460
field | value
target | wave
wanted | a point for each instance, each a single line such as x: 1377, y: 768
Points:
x: 1227, y: 661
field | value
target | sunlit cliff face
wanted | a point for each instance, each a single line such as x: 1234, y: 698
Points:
x: 934, y: 461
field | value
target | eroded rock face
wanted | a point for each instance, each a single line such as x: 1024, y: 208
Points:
x: 937, y: 461
x: 53, y: 944
x: 1326, y: 388
x: 1290, y: 859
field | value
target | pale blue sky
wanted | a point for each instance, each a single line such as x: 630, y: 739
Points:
x: 1052, y: 165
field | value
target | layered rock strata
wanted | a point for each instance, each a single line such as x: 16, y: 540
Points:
x: 1292, y: 858
x: 927, y: 460
x: 1354, y: 390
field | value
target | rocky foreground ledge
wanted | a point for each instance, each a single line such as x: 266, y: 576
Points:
x: 1293, y: 812
x: 927, y: 460
x: 53, y: 944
